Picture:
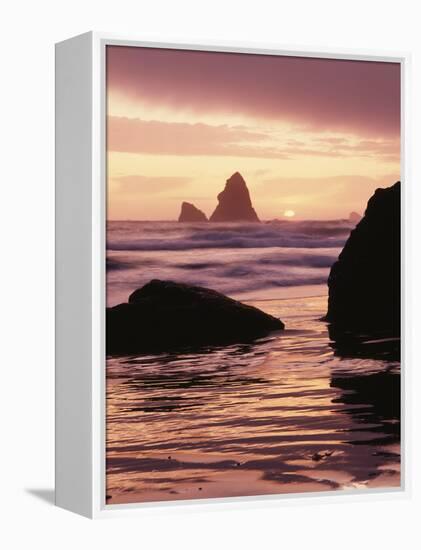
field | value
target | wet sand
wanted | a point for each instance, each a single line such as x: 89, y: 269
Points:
x: 286, y: 414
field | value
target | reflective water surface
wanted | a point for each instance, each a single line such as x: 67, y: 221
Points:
x: 289, y: 413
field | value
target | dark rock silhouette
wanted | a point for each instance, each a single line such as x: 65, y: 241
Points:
x: 164, y: 315
x: 364, y: 284
x: 379, y: 398
x: 354, y: 217
x: 234, y: 203
x: 376, y: 343
x: 189, y: 213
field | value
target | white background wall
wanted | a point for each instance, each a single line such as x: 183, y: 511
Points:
x: 28, y: 32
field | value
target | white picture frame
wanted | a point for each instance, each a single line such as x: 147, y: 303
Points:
x: 80, y: 274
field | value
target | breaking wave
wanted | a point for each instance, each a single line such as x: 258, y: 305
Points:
x: 240, y: 260
x: 173, y: 236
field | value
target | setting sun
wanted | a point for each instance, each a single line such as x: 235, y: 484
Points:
x: 289, y: 213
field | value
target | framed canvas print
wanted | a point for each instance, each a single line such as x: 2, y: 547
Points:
x: 230, y: 307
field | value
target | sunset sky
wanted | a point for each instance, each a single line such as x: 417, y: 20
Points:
x: 311, y: 136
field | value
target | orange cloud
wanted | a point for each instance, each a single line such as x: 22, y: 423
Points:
x: 133, y: 135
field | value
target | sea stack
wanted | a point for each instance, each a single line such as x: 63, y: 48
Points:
x: 364, y: 284
x: 234, y: 203
x: 189, y: 213
x: 354, y: 217
x: 166, y: 315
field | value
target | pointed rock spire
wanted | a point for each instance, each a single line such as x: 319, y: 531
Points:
x: 234, y: 203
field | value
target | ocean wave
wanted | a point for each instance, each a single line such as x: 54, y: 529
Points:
x: 236, y: 259
x: 260, y: 261
x: 159, y: 245
x: 243, y: 276
x: 164, y: 236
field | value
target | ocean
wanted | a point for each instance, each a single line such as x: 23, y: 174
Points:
x: 288, y: 413
x: 244, y: 261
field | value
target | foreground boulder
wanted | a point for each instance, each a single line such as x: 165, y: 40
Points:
x: 163, y: 315
x: 189, y: 213
x: 364, y: 284
x: 234, y: 203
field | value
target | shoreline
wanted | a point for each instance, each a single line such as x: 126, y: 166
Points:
x: 287, y: 293
x: 280, y: 422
